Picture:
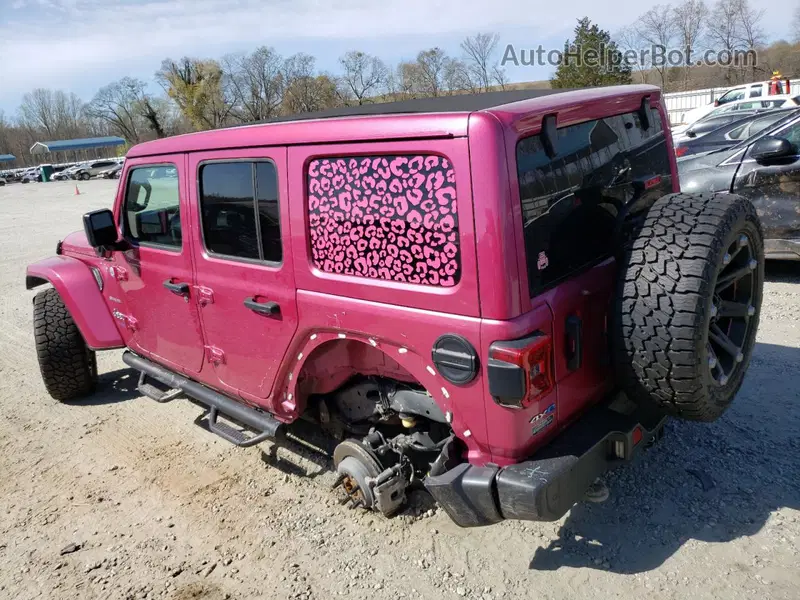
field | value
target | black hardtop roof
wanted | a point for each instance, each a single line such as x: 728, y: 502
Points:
x: 438, y: 104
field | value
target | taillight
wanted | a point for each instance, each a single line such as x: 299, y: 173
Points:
x: 520, y: 371
x: 637, y: 436
x: 681, y: 151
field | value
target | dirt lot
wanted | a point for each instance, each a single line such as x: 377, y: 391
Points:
x: 160, y: 508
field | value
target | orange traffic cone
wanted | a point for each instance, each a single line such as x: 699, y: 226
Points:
x: 77, y: 191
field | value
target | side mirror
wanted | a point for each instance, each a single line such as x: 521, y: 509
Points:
x: 770, y: 149
x: 100, y: 228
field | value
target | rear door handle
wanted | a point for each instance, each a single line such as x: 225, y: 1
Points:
x: 574, y: 333
x: 264, y: 308
x: 181, y: 289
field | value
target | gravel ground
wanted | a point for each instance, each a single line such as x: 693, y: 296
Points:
x: 120, y: 497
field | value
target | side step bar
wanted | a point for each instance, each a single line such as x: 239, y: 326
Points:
x: 264, y: 423
x: 154, y: 391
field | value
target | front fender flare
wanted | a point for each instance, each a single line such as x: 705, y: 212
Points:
x: 74, y: 282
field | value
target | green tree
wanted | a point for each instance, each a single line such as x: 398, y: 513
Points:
x: 592, y: 59
x: 196, y: 87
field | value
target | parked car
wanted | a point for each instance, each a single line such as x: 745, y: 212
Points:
x: 740, y: 93
x: 3, y: 181
x: 92, y: 169
x: 438, y: 295
x: 731, y: 134
x: 740, y: 106
x: 112, y: 172
x: 31, y: 175
x: 768, y: 103
x: 765, y: 169
x: 708, y: 124
x: 67, y: 172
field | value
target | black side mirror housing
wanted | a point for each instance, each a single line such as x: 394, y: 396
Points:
x: 770, y: 149
x: 100, y: 229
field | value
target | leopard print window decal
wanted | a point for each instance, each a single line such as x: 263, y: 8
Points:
x: 385, y: 217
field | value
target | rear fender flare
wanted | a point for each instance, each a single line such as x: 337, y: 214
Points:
x: 74, y: 282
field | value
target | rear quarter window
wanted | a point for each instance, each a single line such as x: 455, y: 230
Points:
x: 389, y: 217
x: 570, y: 202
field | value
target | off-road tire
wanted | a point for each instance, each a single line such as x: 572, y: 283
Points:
x: 666, y: 299
x: 68, y: 366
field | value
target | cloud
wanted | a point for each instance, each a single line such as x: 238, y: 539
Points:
x: 86, y: 43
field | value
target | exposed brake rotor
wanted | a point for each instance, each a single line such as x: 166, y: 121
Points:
x: 355, y: 465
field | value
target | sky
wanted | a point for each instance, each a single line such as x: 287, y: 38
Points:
x: 80, y: 45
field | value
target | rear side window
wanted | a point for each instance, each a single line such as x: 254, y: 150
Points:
x: 752, y: 128
x: 390, y: 217
x: 755, y: 92
x: 570, y: 202
x: 239, y: 207
x: 152, y: 206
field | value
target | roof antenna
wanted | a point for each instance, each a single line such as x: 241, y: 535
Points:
x: 549, y: 135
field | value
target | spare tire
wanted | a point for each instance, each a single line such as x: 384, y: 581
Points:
x: 687, y: 303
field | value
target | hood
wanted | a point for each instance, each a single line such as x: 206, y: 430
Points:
x: 704, y: 160
x: 703, y: 173
x: 76, y: 243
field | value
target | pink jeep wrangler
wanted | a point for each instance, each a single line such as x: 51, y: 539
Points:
x: 497, y: 296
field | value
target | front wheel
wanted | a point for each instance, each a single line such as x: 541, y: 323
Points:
x: 688, y: 303
x: 68, y: 366
x: 84, y: 176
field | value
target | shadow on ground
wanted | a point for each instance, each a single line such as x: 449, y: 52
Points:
x: 782, y: 271
x: 115, y: 386
x: 710, y: 482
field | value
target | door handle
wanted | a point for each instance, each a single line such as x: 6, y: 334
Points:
x: 574, y: 350
x: 264, y: 308
x: 181, y: 289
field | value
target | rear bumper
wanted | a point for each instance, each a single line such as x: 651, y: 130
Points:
x: 782, y: 249
x: 546, y: 486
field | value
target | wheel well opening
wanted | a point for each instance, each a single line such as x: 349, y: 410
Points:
x: 32, y: 281
x: 333, y: 363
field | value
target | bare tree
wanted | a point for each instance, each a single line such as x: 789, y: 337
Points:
x: 724, y: 29
x: 364, y: 76
x: 657, y: 28
x: 690, y: 19
x: 458, y: 78
x: 298, y: 74
x: 70, y: 112
x: 256, y: 83
x: 55, y: 114
x: 404, y: 82
x: 38, y: 111
x: 306, y: 91
x: 431, y: 68
x: 628, y: 40
x: 479, y: 57
x: 500, y: 77
x: 751, y: 35
x: 120, y: 104
x: 796, y: 24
